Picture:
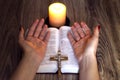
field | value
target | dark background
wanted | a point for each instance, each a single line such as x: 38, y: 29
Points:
x: 17, y: 13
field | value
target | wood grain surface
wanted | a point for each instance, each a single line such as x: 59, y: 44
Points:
x: 17, y: 13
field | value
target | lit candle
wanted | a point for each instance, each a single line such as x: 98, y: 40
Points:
x: 57, y: 14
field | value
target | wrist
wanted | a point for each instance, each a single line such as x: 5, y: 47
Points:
x: 28, y: 66
x: 89, y: 57
x: 32, y: 57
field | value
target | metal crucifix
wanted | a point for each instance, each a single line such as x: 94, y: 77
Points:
x: 59, y: 58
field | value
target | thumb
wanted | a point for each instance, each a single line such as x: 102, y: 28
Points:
x: 93, y: 41
x: 21, y: 36
x: 95, y: 36
x: 96, y: 32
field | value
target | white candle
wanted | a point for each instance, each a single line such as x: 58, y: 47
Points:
x: 57, y: 14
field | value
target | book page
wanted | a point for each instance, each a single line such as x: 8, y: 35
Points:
x: 70, y: 66
x: 48, y: 66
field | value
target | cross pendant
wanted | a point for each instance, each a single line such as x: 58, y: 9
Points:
x: 59, y: 58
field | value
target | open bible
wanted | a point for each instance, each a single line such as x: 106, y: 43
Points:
x: 59, y: 41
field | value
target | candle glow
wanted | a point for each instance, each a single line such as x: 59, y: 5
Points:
x: 57, y: 14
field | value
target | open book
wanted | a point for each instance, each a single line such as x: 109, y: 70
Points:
x: 59, y: 41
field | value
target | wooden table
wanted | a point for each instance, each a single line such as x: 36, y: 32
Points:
x: 14, y: 13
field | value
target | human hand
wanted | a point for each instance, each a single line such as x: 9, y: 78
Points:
x: 83, y: 42
x: 35, y: 43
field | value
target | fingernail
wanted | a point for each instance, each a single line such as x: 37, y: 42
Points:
x: 20, y: 28
x: 75, y: 23
x: 46, y: 26
x: 83, y: 23
x: 42, y: 19
x: 99, y: 27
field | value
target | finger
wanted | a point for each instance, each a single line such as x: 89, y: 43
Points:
x: 46, y: 39
x: 85, y: 28
x: 95, y: 38
x: 43, y: 32
x: 70, y: 37
x: 39, y: 28
x: 32, y: 29
x: 75, y: 33
x: 26, y: 32
x: 96, y: 32
x: 79, y: 30
x: 21, y: 35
